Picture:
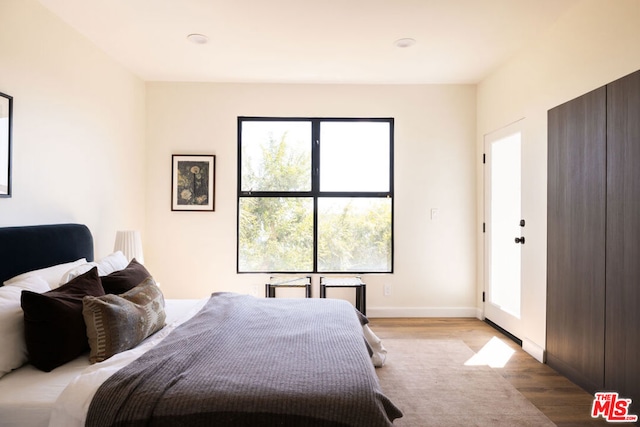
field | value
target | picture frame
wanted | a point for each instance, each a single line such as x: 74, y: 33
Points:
x: 6, y: 123
x: 193, y: 182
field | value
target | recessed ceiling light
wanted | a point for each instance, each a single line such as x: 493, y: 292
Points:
x: 406, y: 42
x: 198, y: 38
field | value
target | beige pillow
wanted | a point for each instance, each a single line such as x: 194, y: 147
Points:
x: 116, y: 323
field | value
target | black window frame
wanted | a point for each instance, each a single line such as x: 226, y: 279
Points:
x: 315, y: 192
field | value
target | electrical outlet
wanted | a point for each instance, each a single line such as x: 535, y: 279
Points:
x: 387, y: 289
x: 254, y: 290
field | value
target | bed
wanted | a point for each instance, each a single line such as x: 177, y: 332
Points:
x: 228, y: 360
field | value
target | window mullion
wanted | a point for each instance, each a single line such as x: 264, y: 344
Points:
x: 315, y: 185
x: 315, y: 157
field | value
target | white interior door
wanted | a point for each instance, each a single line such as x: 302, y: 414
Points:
x: 504, y: 228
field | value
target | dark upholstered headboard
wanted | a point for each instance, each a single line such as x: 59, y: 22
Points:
x: 32, y: 247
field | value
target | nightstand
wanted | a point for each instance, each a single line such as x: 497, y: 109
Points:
x: 347, y: 282
x: 287, y: 282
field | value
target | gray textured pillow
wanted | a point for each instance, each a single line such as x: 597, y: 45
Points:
x: 116, y: 323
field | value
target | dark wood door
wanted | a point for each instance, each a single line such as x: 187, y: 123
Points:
x: 576, y: 239
x: 622, y: 373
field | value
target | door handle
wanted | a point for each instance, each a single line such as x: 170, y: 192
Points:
x: 520, y: 240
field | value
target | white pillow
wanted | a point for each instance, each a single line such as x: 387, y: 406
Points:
x: 13, y: 352
x: 75, y: 272
x: 114, y: 262
x: 50, y: 274
x: 379, y: 355
x: 107, y: 265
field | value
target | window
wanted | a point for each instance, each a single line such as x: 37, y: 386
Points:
x: 315, y: 195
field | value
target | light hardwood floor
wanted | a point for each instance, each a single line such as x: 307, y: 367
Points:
x: 563, y: 402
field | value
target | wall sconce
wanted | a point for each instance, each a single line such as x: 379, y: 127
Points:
x: 130, y: 243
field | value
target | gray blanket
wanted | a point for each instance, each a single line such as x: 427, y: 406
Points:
x: 245, y: 361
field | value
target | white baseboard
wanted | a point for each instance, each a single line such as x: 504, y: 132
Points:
x: 422, y: 312
x: 533, y: 349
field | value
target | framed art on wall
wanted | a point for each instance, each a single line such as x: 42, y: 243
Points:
x: 6, y: 104
x: 193, y: 182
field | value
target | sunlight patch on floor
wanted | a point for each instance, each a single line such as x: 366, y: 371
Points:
x: 495, y: 354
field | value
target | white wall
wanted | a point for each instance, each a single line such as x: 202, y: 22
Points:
x: 595, y: 43
x: 194, y: 253
x: 79, y: 128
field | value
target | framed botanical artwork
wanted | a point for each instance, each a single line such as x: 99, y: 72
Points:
x: 193, y: 182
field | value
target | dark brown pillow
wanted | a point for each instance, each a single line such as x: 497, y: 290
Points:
x: 54, y: 327
x: 124, y: 280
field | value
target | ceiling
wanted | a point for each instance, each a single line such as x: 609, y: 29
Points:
x: 304, y: 41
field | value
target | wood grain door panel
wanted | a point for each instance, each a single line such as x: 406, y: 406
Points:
x: 622, y: 373
x: 576, y: 239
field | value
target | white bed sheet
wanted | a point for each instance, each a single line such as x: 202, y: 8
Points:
x: 28, y: 396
